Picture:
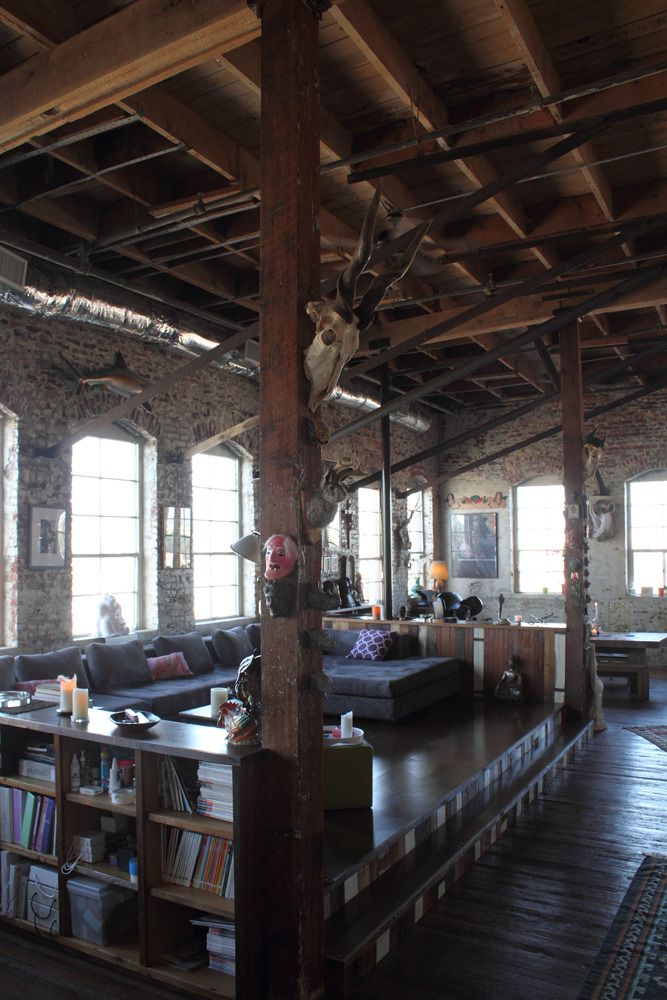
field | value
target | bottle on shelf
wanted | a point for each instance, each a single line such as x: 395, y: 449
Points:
x: 115, y: 780
x: 75, y: 774
x: 104, y: 769
x: 83, y: 764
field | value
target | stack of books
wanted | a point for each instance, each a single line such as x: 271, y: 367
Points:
x: 198, y: 861
x: 175, y: 789
x: 220, y: 942
x: 48, y: 691
x: 216, y: 791
x: 38, y: 760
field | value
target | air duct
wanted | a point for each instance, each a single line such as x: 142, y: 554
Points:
x: 131, y: 314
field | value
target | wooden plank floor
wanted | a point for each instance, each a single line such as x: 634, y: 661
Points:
x: 527, y: 920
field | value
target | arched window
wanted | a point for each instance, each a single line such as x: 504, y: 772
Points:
x: 216, y: 523
x: 106, y: 528
x: 646, y: 503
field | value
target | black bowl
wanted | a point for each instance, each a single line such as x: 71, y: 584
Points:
x: 121, y: 720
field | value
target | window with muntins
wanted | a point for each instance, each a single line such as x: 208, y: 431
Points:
x: 106, y: 529
x: 646, y: 501
x: 419, y: 504
x: 370, y: 544
x: 216, y: 523
x: 539, y: 538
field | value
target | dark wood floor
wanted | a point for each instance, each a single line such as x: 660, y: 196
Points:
x: 523, y: 924
x: 527, y: 920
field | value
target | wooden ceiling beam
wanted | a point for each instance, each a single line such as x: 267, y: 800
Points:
x: 388, y: 58
x: 45, y: 22
x: 133, y: 49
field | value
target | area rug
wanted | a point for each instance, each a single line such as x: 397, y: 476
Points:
x: 632, y: 962
x: 655, y: 734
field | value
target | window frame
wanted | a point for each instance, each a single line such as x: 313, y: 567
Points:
x: 377, y: 557
x: 118, y: 434
x: 659, y: 476
x: 538, y: 482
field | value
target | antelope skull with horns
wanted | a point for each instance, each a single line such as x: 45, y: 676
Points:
x: 338, y: 323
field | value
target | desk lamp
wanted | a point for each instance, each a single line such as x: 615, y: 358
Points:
x: 248, y: 547
x: 439, y: 573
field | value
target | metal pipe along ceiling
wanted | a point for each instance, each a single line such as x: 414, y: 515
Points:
x: 78, y: 307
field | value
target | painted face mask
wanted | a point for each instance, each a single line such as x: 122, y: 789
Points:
x: 280, y: 558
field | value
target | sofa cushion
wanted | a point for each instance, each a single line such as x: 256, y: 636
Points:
x: 191, y: 645
x: 171, y: 665
x: 391, y: 679
x: 47, y: 666
x: 117, y: 665
x: 173, y: 695
x: 371, y: 644
x: 231, y: 645
x: 7, y: 679
x: 254, y: 630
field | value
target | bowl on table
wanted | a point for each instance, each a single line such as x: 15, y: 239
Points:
x: 131, y: 721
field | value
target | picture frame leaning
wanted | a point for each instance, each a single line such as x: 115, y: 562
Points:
x: 47, y: 546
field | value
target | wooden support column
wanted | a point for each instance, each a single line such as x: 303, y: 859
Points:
x: 385, y: 436
x: 576, y: 686
x: 289, y: 462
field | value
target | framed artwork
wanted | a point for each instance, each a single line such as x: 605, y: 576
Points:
x: 176, y: 538
x: 474, y: 551
x: 48, y: 531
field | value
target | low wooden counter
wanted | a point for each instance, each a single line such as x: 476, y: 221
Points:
x: 485, y: 647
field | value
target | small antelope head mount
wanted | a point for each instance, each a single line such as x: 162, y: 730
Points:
x: 338, y: 323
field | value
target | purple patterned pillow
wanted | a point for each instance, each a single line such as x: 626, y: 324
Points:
x: 371, y: 645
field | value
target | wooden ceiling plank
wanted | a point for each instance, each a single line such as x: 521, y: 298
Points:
x: 388, y: 58
x: 46, y: 22
x: 131, y: 50
x: 523, y: 29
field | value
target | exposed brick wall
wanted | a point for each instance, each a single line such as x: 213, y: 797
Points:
x: 37, y: 387
x: 636, y: 442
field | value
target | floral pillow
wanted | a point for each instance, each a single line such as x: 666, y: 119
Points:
x: 371, y: 645
x: 169, y: 665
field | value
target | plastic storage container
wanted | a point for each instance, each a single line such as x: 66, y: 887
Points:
x: 101, y: 912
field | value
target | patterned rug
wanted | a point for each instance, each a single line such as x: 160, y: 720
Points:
x: 632, y: 962
x: 655, y: 734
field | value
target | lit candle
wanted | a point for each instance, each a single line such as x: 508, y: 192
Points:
x: 346, y: 726
x: 80, y: 705
x: 67, y: 685
x: 218, y: 697
x: 377, y: 611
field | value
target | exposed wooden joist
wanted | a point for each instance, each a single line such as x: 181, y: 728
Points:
x: 251, y: 424
x: 129, y: 51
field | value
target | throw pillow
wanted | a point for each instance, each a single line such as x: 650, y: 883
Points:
x: 116, y: 665
x: 231, y: 645
x: 6, y: 673
x: 171, y: 665
x: 39, y: 666
x: 371, y: 645
x: 191, y: 645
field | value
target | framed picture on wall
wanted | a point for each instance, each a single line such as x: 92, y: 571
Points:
x: 48, y: 529
x: 474, y: 550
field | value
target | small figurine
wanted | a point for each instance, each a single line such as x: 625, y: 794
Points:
x: 510, y: 686
x: 244, y: 726
x: 110, y: 619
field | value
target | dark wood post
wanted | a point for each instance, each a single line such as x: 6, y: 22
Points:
x: 289, y: 462
x: 576, y: 688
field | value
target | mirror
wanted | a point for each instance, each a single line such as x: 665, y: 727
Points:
x: 176, y: 543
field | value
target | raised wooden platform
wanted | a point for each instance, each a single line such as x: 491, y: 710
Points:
x: 447, y: 781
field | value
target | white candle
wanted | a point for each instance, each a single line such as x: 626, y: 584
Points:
x: 346, y: 726
x: 80, y: 704
x: 66, y: 689
x: 218, y: 697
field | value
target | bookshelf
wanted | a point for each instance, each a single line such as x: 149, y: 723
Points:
x: 164, y: 909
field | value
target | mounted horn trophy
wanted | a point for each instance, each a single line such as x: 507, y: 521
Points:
x: 338, y: 323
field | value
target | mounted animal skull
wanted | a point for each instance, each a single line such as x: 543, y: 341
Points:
x: 338, y: 323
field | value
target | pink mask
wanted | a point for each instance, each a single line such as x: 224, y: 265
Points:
x: 281, y: 555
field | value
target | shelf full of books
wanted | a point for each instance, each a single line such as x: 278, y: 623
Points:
x: 194, y: 828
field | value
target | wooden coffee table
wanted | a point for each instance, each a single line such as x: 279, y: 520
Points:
x: 201, y: 716
x: 624, y: 654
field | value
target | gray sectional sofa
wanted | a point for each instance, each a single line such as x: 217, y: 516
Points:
x: 126, y: 673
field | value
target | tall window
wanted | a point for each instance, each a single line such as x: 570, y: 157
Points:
x: 216, y: 523
x: 540, y: 538
x: 370, y: 544
x: 106, y: 505
x: 419, y: 517
x: 647, y: 531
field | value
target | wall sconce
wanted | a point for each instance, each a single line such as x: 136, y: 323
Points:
x: 439, y: 573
